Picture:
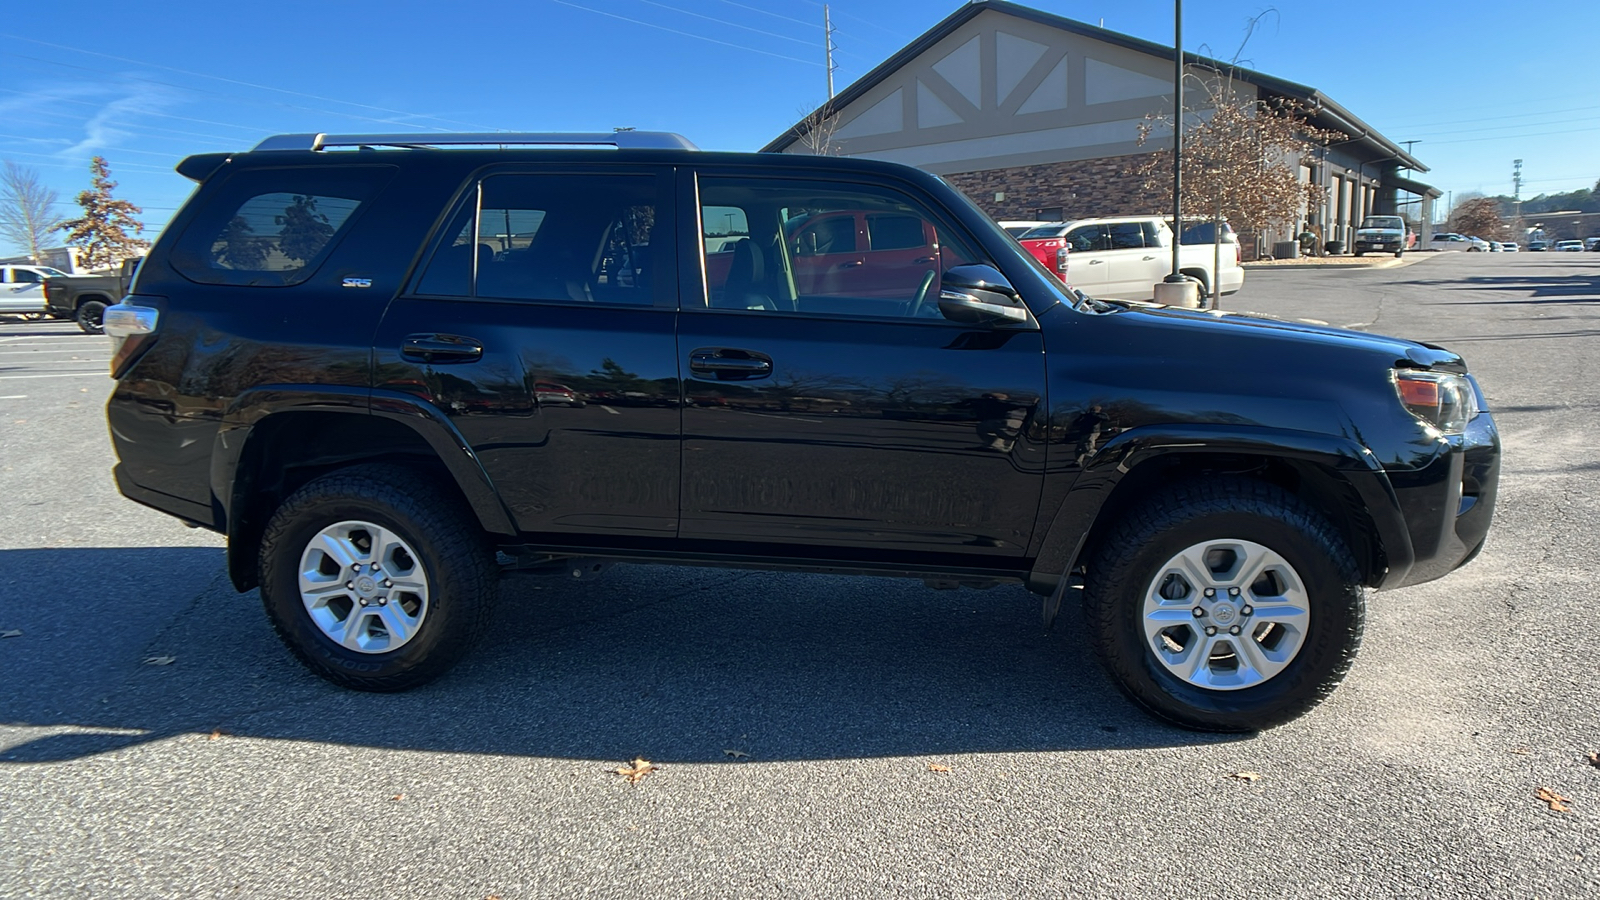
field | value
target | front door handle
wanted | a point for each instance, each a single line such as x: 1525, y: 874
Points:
x: 1152, y: 257
x: 924, y: 260
x: 862, y: 262
x: 1096, y: 262
x: 441, y: 348
x: 727, y: 364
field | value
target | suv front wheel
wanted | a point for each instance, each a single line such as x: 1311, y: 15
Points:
x: 375, y: 579
x: 1225, y: 605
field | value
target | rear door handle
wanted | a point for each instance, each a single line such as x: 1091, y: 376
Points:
x: 923, y: 260
x: 441, y: 348
x: 727, y: 364
x: 859, y: 262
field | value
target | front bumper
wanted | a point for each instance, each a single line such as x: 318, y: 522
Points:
x: 1448, y: 504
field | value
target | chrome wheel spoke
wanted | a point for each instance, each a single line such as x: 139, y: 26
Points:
x: 1236, y: 636
x: 367, y: 601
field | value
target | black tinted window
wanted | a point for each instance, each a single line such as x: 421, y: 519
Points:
x: 888, y: 232
x: 1088, y: 237
x: 775, y: 246
x: 273, y: 227
x: 578, y: 238
x: 1127, y: 236
x: 25, y: 276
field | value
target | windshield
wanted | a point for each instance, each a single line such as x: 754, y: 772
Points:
x: 1382, y: 222
x: 1056, y: 229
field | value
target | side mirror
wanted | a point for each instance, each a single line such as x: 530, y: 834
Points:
x: 979, y: 294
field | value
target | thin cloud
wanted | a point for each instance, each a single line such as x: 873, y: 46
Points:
x: 116, y: 121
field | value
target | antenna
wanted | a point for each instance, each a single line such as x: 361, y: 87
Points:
x: 829, y: 46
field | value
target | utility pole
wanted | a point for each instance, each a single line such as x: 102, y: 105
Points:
x: 1516, y: 193
x: 829, y: 46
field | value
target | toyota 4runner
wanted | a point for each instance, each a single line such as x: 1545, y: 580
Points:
x: 390, y: 367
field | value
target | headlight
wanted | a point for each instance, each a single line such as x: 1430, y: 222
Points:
x: 1447, y: 402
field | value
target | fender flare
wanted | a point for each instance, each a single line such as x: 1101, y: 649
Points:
x: 256, y: 405
x: 1085, y: 505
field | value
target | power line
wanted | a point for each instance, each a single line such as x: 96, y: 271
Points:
x: 1548, y: 112
x: 262, y: 87
x: 727, y: 22
x: 698, y: 37
x: 1516, y: 137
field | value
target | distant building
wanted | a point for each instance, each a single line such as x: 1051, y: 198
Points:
x: 63, y: 258
x: 1036, y: 116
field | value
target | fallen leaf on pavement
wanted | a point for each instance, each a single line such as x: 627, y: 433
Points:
x: 1520, y: 751
x: 397, y: 797
x: 12, y: 633
x: 1246, y: 776
x: 639, y: 769
x: 160, y: 660
x: 935, y: 767
x: 1594, y: 759
x: 1556, y: 802
x: 736, y: 754
x: 217, y: 733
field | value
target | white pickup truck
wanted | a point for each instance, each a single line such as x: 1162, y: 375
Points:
x: 1122, y: 258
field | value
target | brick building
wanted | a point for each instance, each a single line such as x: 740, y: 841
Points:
x: 1036, y: 116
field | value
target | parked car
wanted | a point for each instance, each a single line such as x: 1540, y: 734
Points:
x: 22, y: 288
x: 1592, y: 243
x: 1124, y: 257
x: 1015, y: 227
x: 356, y: 406
x: 1381, y: 234
x: 84, y: 298
x: 1452, y: 241
x: 1538, y: 246
x: 1569, y: 246
x: 1509, y: 246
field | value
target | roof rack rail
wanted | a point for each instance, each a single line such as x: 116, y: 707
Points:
x: 622, y: 140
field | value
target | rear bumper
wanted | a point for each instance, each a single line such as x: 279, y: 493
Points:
x: 1448, y: 504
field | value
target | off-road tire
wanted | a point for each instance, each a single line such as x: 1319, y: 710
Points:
x: 91, y: 317
x: 1126, y: 558
x: 457, y: 560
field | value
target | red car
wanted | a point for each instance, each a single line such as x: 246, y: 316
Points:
x: 1048, y: 244
x: 855, y: 253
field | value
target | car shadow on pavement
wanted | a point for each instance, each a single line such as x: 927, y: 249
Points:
x: 1539, y: 288
x: 132, y: 645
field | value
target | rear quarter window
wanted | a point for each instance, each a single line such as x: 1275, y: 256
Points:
x: 274, y: 227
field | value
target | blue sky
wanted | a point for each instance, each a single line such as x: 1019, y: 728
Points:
x: 1476, y: 84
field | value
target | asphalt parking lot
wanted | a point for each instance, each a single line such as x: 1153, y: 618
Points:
x: 817, y: 736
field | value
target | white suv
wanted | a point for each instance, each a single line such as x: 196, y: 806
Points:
x: 1122, y: 258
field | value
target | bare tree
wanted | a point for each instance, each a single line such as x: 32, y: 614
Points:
x: 28, y: 211
x: 1479, y: 217
x: 103, y: 231
x: 815, y: 131
x: 1242, y: 162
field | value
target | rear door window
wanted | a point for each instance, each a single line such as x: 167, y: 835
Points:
x: 274, y: 227
x: 1127, y: 236
x: 579, y: 238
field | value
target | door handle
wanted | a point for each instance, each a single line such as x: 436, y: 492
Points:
x: 441, y: 348
x: 725, y: 364
x: 1152, y: 257
x: 924, y: 260
x: 1096, y: 262
x: 852, y: 265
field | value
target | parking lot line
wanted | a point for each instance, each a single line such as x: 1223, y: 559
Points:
x: 14, y: 397
x: 55, y: 375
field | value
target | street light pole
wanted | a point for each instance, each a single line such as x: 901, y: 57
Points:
x: 1177, y: 136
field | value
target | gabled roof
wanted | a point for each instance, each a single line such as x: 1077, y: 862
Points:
x: 1327, y: 113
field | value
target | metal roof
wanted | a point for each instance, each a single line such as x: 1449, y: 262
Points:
x: 1327, y: 111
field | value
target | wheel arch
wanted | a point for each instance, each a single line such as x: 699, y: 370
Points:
x: 1340, y: 478
x: 276, y: 440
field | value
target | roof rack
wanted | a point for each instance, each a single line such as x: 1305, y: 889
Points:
x: 622, y: 140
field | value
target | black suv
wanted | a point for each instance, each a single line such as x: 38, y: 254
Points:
x: 390, y: 367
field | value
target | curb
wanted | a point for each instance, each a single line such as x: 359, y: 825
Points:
x: 1407, y: 260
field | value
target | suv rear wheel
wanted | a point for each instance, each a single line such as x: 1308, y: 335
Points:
x: 1225, y: 605
x: 375, y: 579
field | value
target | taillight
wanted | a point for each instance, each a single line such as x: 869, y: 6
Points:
x: 132, y: 329
x: 1447, y: 402
x: 1061, y: 262
x: 1238, y: 254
